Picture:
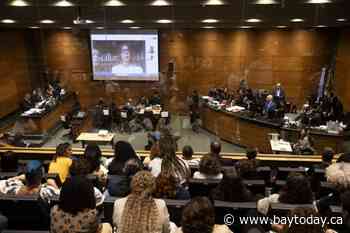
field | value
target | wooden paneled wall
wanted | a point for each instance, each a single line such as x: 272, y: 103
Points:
x: 203, y: 59
x: 15, y: 78
x: 342, y: 84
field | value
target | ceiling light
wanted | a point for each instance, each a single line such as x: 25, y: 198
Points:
x: 34, y: 27
x: 114, y: 3
x: 321, y: 26
x: 100, y: 28
x: 214, y: 2
x: 8, y: 21
x: 342, y: 20
x: 67, y: 28
x: 89, y: 21
x: 160, y: 3
x: 281, y: 26
x: 47, y: 21
x: 297, y: 20
x: 210, y: 21
x: 19, y: 3
x: 265, y: 2
x: 318, y: 1
x: 245, y: 27
x: 253, y: 20
x: 63, y: 3
x: 164, y: 21
x: 208, y: 27
x: 134, y: 27
x: 127, y: 21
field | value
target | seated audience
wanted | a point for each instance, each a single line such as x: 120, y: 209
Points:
x: 296, y: 191
x: 119, y: 185
x: 76, y: 212
x: 9, y: 162
x: 198, y: 216
x: 81, y: 168
x: 168, y: 161
x: 123, y: 151
x: 338, y: 175
x: 239, y: 193
x: 327, y: 157
x: 215, y: 150
x: 247, y: 168
x: 61, y: 162
x: 139, y: 212
x: 93, y: 155
x: 187, y: 153
x: 209, y: 168
x: 304, y: 144
x: 297, y: 227
x: 29, y: 183
x: 165, y: 187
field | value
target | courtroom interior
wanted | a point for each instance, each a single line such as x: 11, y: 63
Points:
x: 133, y: 116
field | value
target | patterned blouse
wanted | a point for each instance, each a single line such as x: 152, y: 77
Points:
x: 84, y: 222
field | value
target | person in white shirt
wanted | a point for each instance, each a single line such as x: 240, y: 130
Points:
x: 125, y: 68
x: 209, y: 168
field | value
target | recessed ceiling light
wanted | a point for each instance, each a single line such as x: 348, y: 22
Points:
x: 210, y: 21
x: 19, y: 3
x: 89, y: 21
x: 208, y: 27
x: 245, y: 27
x: 160, y: 3
x: 63, y: 3
x: 127, y: 21
x: 67, y: 28
x: 34, y: 27
x: 134, y: 27
x: 253, y: 20
x: 320, y: 26
x: 214, y: 2
x: 281, y: 26
x: 297, y: 20
x: 265, y: 2
x: 164, y: 21
x: 8, y: 21
x: 47, y: 21
x: 342, y: 20
x: 100, y: 28
x: 318, y: 1
x: 114, y: 3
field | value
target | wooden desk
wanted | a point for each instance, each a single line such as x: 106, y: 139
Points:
x: 254, y: 133
x: 95, y: 138
x: 48, y: 120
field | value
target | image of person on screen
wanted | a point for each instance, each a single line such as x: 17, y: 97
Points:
x: 125, y: 68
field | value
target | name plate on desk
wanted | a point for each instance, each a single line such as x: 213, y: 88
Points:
x: 124, y: 115
x: 164, y: 114
x: 105, y: 112
x: 283, y: 146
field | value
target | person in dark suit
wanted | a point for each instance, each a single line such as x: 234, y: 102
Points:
x: 269, y: 107
x: 155, y: 99
x: 278, y: 93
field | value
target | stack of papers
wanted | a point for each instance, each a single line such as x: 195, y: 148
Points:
x: 235, y: 108
x: 33, y: 111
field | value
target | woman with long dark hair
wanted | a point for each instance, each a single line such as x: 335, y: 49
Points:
x: 76, y: 212
x: 296, y: 191
x: 232, y: 188
x: 123, y: 151
x: 61, y: 162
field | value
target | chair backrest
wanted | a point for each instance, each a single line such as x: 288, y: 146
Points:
x: 24, y: 212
